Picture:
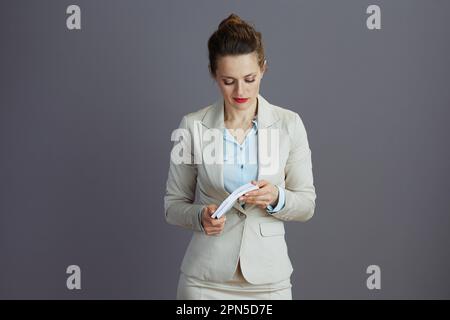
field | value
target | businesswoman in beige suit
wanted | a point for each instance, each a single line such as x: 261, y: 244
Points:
x: 243, y: 254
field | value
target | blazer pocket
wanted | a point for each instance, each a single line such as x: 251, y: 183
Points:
x: 270, y: 229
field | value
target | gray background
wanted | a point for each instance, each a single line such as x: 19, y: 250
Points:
x: 86, y: 118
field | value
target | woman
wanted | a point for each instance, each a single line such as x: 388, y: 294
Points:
x: 243, y: 254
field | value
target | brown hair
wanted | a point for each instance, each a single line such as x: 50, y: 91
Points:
x: 234, y: 36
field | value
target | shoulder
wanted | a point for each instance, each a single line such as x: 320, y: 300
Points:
x: 286, y: 115
x: 291, y: 123
x: 198, y: 114
x: 288, y: 119
x: 191, y: 118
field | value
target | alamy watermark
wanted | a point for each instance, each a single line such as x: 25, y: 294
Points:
x: 74, y: 280
x: 205, y: 146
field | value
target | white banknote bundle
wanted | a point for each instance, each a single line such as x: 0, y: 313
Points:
x: 229, y: 201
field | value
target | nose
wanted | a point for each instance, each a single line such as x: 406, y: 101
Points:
x: 239, y: 89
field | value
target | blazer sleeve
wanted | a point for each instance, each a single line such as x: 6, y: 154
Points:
x: 181, y: 183
x: 300, y: 193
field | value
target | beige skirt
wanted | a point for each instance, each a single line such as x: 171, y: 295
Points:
x: 190, y: 288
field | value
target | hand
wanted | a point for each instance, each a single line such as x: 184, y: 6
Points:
x: 267, y: 194
x: 212, y: 226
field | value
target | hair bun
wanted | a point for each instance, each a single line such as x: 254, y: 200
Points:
x: 232, y: 19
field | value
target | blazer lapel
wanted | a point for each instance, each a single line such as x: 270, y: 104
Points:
x: 266, y: 119
x: 214, y: 120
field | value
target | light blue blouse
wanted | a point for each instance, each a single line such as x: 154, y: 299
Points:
x: 241, y: 163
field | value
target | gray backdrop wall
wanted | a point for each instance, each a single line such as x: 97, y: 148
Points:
x: 83, y: 163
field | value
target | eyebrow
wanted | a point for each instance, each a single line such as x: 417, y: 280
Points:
x: 250, y: 74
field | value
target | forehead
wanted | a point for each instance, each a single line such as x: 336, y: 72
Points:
x: 237, y: 66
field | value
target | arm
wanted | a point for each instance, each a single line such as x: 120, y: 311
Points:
x: 179, y: 199
x: 299, y: 187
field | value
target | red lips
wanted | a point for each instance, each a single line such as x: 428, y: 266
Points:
x: 240, y: 100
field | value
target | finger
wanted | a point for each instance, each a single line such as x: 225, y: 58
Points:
x: 249, y: 194
x: 261, y: 204
x: 212, y: 231
x: 253, y: 199
x: 206, y: 211
x: 211, y: 210
x: 260, y: 183
x: 212, y: 221
x: 217, y: 222
x: 258, y: 192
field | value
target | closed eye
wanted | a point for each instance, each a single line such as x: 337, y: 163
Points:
x: 229, y: 83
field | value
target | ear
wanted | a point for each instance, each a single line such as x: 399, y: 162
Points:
x: 264, y: 68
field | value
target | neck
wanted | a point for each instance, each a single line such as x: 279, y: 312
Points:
x: 232, y: 115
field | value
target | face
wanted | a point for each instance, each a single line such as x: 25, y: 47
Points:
x: 238, y: 78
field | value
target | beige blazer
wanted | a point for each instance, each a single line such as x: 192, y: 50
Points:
x: 252, y: 235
